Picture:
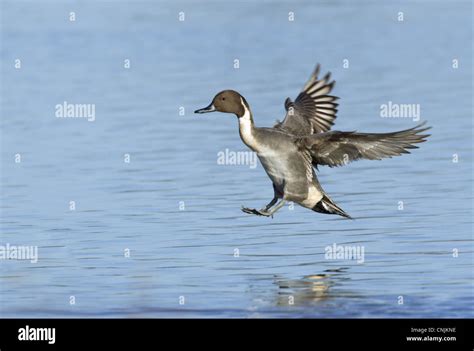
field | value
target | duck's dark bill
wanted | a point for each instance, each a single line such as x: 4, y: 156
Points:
x: 209, y: 108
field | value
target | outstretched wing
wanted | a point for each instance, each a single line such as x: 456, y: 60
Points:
x: 313, y: 111
x: 339, y: 148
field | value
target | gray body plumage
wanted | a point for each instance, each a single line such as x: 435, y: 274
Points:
x: 289, y: 168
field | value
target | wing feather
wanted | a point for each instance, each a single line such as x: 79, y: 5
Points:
x: 313, y: 111
x: 339, y: 148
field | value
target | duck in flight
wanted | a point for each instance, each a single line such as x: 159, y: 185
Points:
x: 292, y: 150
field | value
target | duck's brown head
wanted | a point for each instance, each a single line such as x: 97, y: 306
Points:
x: 228, y: 101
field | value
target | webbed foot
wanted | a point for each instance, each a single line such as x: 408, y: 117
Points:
x: 253, y: 211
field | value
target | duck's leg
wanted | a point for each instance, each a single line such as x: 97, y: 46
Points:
x: 254, y: 211
x: 276, y: 195
x: 271, y: 203
x: 268, y: 210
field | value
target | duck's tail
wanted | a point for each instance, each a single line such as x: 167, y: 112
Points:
x: 326, y: 205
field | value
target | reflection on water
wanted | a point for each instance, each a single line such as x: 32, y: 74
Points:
x: 308, y: 290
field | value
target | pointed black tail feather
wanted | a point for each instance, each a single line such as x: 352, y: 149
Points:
x: 326, y: 205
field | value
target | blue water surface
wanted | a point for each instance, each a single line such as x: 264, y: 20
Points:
x: 176, y: 210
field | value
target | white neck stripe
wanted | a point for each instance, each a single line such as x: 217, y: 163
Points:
x: 245, y: 128
x: 247, y: 111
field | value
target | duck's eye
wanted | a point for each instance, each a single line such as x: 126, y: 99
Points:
x: 223, y: 99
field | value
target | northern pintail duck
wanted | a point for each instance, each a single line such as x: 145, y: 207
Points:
x: 292, y: 150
